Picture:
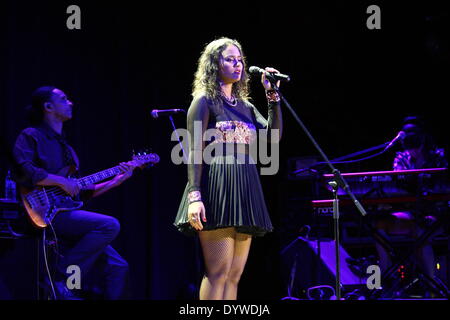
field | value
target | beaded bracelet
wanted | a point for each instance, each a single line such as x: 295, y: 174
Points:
x: 194, y: 196
x: 272, y: 96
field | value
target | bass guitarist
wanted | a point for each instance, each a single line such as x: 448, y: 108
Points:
x: 41, y: 151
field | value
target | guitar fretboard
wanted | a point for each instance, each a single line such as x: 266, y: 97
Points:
x: 99, y: 176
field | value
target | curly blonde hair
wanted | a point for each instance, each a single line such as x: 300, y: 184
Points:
x: 206, y: 79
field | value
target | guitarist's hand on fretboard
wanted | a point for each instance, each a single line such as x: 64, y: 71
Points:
x: 126, y: 172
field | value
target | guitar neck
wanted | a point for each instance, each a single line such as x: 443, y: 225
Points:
x: 99, y: 176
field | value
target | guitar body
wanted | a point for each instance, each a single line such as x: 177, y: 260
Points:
x: 43, y: 203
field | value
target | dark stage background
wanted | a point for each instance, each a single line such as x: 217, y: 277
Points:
x: 351, y: 86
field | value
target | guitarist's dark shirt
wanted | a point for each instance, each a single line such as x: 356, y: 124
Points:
x: 39, y: 151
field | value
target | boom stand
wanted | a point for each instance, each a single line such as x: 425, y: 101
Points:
x: 179, y: 141
x: 349, y: 156
x: 196, y: 244
x: 338, y: 181
x: 335, y: 187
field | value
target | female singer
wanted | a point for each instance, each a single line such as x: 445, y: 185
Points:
x: 223, y: 201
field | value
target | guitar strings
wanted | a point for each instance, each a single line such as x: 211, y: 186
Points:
x: 42, y: 195
x: 58, y: 191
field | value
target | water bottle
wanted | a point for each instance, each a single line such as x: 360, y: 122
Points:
x: 10, y: 187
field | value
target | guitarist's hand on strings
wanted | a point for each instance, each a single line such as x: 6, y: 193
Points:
x: 126, y: 172
x: 70, y: 186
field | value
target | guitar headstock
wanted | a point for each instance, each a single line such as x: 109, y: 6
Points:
x: 144, y: 158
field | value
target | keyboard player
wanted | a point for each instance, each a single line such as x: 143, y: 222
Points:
x: 419, y: 152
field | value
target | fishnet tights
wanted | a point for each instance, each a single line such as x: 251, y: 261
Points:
x: 225, y: 253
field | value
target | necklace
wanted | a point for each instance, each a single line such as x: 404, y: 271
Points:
x: 232, y: 102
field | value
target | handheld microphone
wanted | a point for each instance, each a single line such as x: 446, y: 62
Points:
x: 156, y: 113
x: 270, y: 75
x: 399, y: 136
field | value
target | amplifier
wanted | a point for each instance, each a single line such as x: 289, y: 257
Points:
x: 9, y: 209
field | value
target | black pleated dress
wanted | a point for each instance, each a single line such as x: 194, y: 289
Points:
x: 228, y: 178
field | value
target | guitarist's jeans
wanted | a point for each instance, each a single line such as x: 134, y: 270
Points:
x: 86, y: 237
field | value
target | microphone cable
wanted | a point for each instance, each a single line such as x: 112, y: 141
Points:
x: 321, y: 291
x: 55, y: 248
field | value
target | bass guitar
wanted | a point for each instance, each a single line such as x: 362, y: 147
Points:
x: 43, y: 203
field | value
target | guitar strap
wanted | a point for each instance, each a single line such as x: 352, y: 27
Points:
x: 67, y: 152
x: 68, y: 158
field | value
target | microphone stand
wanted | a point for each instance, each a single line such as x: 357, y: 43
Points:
x: 352, y: 155
x: 335, y: 188
x: 196, y: 244
x: 178, y: 137
x: 338, y: 181
x: 349, y: 156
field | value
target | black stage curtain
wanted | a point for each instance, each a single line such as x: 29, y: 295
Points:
x: 350, y: 85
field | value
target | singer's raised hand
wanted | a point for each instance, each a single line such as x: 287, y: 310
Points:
x: 265, y: 82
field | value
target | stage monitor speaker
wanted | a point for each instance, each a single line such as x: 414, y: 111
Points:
x: 308, y: 263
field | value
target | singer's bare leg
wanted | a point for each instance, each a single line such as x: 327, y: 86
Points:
x: 241, y: 250
x: 218, y: 251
